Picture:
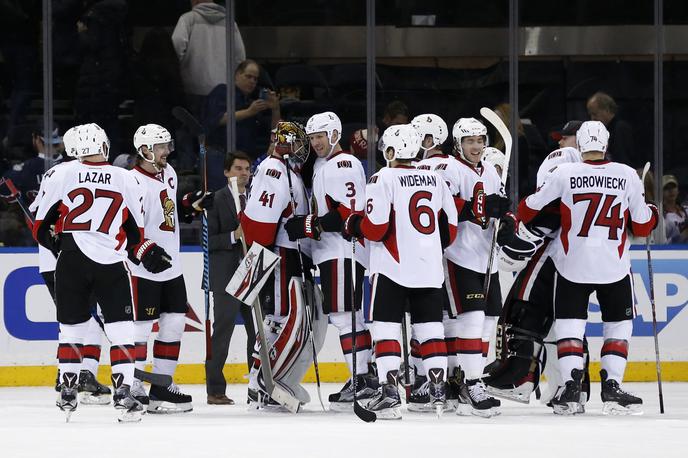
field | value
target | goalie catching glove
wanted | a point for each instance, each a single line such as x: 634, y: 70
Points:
x: 300, y: 227
x: 153, y: 257
x: 514, y: 255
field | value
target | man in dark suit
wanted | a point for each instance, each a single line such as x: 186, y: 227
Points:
x: 225, y: 254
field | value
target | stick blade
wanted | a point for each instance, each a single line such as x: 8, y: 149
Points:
x: 363, y: 413
x: 152, y: 378
x: 494, y: 119
x: 186, y: 118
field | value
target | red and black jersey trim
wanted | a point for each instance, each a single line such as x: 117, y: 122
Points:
x: 433, y: 348
x: 387, y: 348
x: 69, y: 353
x: 363, y: 342
x: 166, y: 350
x: 569, y: 347
x: 121, y: 354
x: 615, y: 347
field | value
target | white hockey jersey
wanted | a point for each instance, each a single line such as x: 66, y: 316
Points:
x: 269, y: 205
x: 471, y: 249
x: 403, y: 206
x: 446, y: 166
x: 339, y: 179
x: 598, y: 200
x: 93, y: 199
x: 558, y: 156
x: 161, y: 219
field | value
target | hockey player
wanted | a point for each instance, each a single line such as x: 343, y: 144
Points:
x: 471, y: 316
x: 528, y: 312
x: 338, y: 190
x: 268, y: 210
x: 599, y: 201
x: 90, y: 389
x: 160, y: 296
x: 96, y: 210
x: 410, y: 216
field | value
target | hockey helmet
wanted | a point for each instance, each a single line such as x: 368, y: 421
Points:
x: 404, y: 141
x: 91, y: 139
x: 150, y: 135
x: 494, y: 157
x: 327, y: 122
x: 291, y: 140
x: 70, y: 140
x: 433, y: 125
x: 468, y: 127
x: 592, y: 136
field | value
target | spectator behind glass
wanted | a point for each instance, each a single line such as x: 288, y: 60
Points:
x: 396, y: 112
x: 675, y: 215
x: 100, y: 86
x: 253, y: 123
x: 602, y: 107
x: 199, y: 39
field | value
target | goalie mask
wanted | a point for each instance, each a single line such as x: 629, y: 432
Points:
x: 90, y: 139
x: 291, y: 140
x: 156, y: 139
x: 400, y: 142
x: 468, y: 127
x: 433, y: 125
x: 327, y: 123
x: 592, y: 136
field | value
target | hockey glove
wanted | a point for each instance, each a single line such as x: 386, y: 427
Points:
x: 508, y: 226
x: 153, y: 257
x: 496, y: 206
x: 200, y: 200
x: 352, y: 226
x: 332, y: 220
x: 300, y: 227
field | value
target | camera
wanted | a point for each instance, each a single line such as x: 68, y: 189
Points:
x: 263, y: 94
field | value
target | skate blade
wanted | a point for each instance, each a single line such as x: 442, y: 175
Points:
x: 517, y: 395
x: 571, y: 408
x: 614, y: 408
x: 342, y: 407
x: 90, y: 399
x: 167, y: 408
x: 392, y: 413
x: 466, y: 410
x: 68, y: 415
x: 429, y: 407
x: 130, y: 417
x: 439, y: 408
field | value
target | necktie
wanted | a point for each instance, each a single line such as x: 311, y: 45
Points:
x: 242, y: 201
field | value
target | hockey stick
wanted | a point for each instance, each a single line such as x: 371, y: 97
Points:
x: 361, y: 412
x: 309, y: 312
x: 407, y: 370
x: 652, y: 303
x: 16, y: 195
x: 274, y: 391
x: 498, y: 124
x: 163, y: 380
x: 196, y: 129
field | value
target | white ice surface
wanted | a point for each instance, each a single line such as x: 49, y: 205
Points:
x: 31, y: 426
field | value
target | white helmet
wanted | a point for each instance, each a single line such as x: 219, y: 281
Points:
x: 468, y: 127
x: 327, y: 122
x: 404, y: 140
x: 494, y: 157
x: 431, y: 124
x: 91, y: 139
x: 70, y: 140
x: 149, y: 135
x: 592, y: 136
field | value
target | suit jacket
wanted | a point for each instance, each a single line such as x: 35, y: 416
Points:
x: 224, y: 256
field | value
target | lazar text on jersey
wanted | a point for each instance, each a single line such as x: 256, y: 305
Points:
x: 94, y: 177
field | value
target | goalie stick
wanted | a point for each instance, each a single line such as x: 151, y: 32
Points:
x: 652, y: 303
x: 498, y: 124
x: 275, y: 391
x: 195, y: 127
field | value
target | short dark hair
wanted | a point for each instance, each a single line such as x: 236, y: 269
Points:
x: 234, y: 156
x: 605, y: 101
x: 241, y: 68
x: 396, y: 108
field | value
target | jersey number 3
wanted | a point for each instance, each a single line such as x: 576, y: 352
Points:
x: 609, y: 216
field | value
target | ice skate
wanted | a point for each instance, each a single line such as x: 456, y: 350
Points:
x: 168, y: 400
x: 474, y: 400
x: 91, y: 391
x: 387, y: 403
x: 568, y: 398
x: 429, y: 395
x: 68, y: 399
x: 139, y: 392
x: 366, y: 385
x: 616, y: 400
x: 130, y: 409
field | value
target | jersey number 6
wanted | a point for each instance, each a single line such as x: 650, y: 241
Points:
x: 416, y: 211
